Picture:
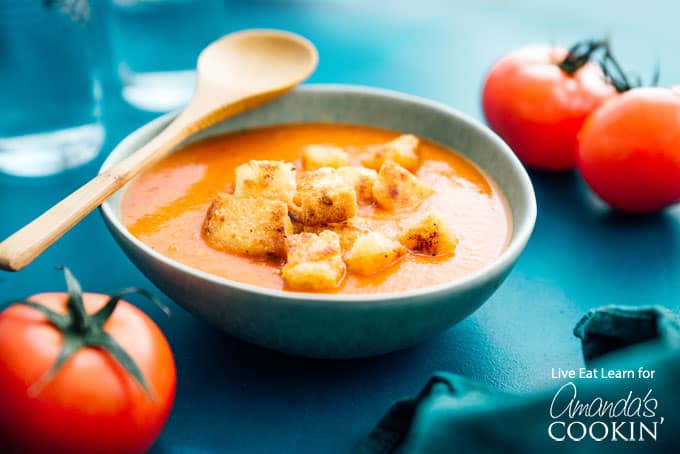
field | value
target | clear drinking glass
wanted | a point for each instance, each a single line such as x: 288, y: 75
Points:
x: 154, y: 45
x: 49, y: 97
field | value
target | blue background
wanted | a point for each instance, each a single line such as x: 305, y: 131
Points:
x: 235, y: 397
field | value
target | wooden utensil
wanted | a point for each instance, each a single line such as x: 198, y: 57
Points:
x: 236, y: 73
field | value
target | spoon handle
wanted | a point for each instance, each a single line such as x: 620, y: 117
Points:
x: 22, y: 247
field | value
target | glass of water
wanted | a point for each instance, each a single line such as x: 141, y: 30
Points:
x: 155, y: 44
x: 49, y: 98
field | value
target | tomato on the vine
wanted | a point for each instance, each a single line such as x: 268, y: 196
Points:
x: 537, y: 98
x: 82, y: 373
x: 629, y: 150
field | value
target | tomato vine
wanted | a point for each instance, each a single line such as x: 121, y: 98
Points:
x: 584, y: 51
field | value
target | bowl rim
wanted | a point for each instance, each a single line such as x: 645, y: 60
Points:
x: 520, y: 236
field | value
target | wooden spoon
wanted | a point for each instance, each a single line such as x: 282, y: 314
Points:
x: 235, y: 73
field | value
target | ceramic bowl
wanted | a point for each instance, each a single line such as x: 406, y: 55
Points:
x: 340, y: 326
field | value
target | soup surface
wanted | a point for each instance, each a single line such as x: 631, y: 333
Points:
x: 166, y: 206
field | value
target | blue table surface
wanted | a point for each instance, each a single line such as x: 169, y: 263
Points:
x: 234, y: 397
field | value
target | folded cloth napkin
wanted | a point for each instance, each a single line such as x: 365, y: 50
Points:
x: 582, y: 415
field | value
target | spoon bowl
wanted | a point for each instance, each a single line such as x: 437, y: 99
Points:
x: 286, y: 57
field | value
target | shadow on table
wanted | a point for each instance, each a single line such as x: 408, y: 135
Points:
x: 568, y: 209
x: 234, y: 396
x: 598, y: 253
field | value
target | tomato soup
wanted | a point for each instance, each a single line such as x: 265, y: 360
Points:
x: 166, y: 206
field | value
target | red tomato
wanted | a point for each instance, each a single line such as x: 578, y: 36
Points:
x: 538, y: 108
x: 629, y: 150
x: 92, y: 404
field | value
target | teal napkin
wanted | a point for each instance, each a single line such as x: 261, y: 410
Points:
x: 636, y: 413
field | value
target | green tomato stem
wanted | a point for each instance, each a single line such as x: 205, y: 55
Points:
x: 82, y: 330
x: 580, y: 54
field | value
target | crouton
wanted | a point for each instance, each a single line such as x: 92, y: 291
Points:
x: 401, y: 150
x: 273, y: 180
x: 324, y: 197
x: 348, y: 231
x: 429, y: 236
x: 248, y: 226
x: 318, y: 156
x: 362, y: 179
x: 373, y: 252
x: 314, y: 261
x: 396, y: 188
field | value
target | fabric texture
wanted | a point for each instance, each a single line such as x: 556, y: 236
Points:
x: 455, y: 414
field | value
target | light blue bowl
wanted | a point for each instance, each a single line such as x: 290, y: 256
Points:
x: 341, y: 326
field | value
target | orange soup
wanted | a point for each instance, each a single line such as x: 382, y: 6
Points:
x: 166, y: 206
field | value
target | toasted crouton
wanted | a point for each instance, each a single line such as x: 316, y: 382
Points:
x: 396, y: 188
x: 314, y: 261
x: 324, y: 197
x: 401, y: 150
x: 429, y: 236
x: 348, y: 231
x: 318, y: 156
x: 362, y: 179
x: 273, y: 180
x: 373, y: 252
x: 248, y: 226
